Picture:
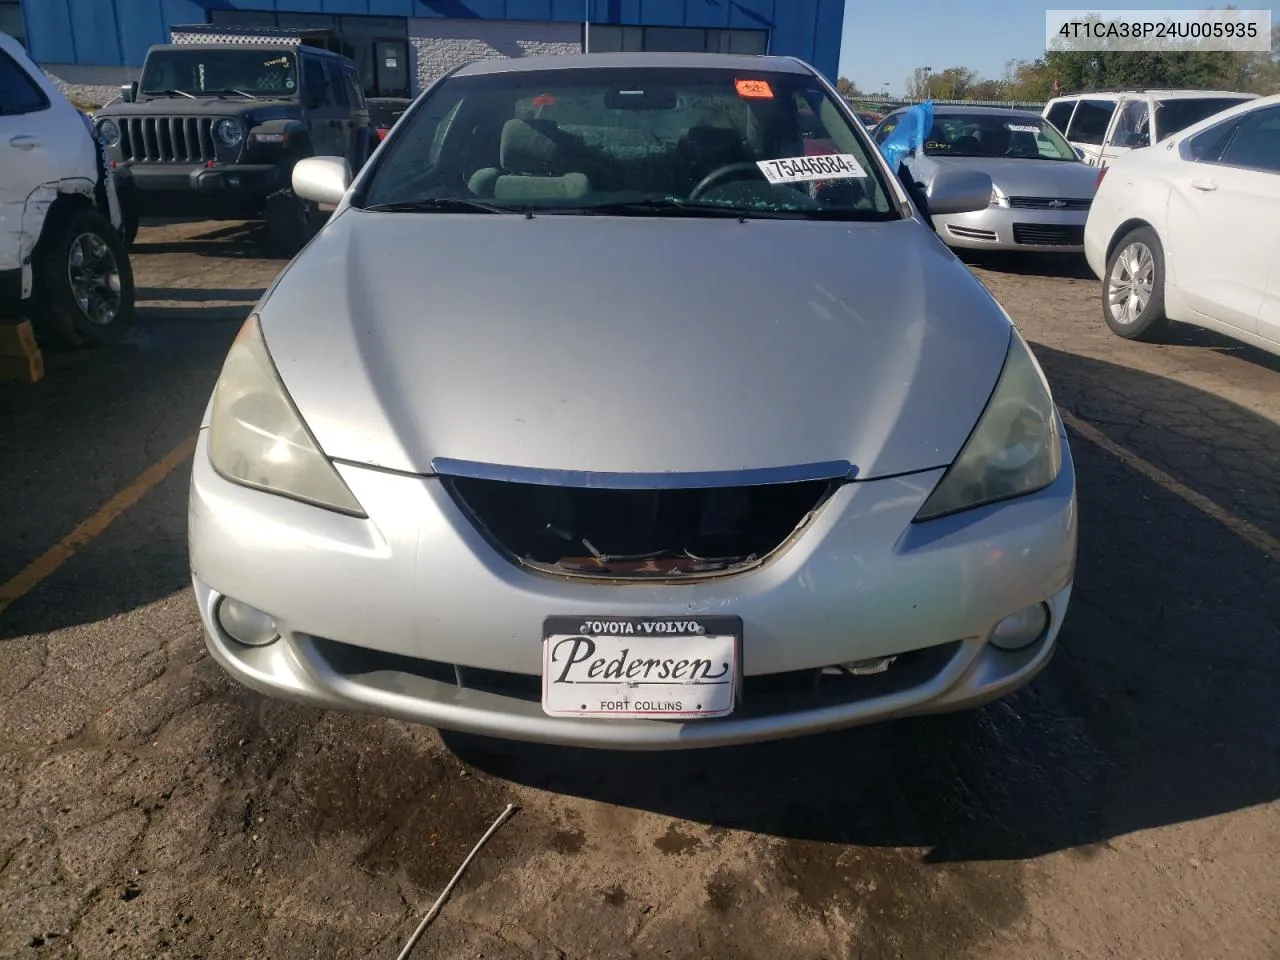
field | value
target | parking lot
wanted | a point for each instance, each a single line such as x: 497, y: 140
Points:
x: 1124, y: 805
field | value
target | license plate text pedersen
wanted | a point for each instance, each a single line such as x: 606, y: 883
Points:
x: 640, y: 667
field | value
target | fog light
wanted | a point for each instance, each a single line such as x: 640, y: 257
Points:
x: 1021, y: 629
x: 233, y: 182
x: 245, y: 624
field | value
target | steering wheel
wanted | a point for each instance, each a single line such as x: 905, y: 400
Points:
x: 729, y: 171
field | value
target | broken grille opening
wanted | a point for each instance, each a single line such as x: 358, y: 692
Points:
x: 638, y: 534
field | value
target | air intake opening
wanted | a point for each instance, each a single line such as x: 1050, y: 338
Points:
x: 638, y: 534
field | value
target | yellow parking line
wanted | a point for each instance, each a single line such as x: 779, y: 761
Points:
x: 62, y: 551
x: 1243, y: 529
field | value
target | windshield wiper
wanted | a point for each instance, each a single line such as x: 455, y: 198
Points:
x: 170, y: 93
x: 659, y: 205
x: 227, y: 90
x: 439, y: 205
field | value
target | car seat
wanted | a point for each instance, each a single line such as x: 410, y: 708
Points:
x: 704, y: 149
x: 530, y: 166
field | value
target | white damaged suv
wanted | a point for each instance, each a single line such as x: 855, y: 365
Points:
x: 63, y: 261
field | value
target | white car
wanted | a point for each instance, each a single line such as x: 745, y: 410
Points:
x: 63, y: 262
x: 1189, y: 230
x: 1103, y: 126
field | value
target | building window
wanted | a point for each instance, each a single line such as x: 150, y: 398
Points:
x: 605, y: 38
x: 306, y: 21
x: 750, y: 42
x: 675, y: 39
x: 11, y: 20
x: 242, y: 18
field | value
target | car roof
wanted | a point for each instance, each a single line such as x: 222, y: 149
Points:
x: 960, y: 110
x: 281, y: 47
x: 583, y: 61
x: 1161, y: 94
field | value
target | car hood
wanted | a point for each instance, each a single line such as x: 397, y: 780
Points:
x: 201, y: 107
x: 1030, y: 178
x: 633, y: 345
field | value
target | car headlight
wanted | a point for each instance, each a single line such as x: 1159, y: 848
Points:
x: 229, y: 131
x: 257, y: 437
x: 109, y: 132
x: 1015, y: 448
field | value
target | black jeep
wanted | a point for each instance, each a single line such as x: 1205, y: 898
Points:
x: 213, y: 131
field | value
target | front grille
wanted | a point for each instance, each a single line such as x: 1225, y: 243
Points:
x: 971, y: 233
x: 761, y: 695
x: 634, y: 534
x: 1050, y: 203
x: 1049, y: 234
x: 167, y: 139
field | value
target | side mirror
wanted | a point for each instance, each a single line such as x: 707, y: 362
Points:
x: 129, y: 91
x: 322, y: 179
x: 959, y: 191
x: 1080, y: 154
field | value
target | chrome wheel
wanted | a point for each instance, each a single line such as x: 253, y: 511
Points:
x: 1132, y: 281
x: 94, y: 276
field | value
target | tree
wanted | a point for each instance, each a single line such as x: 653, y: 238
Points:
x: 987, y: 90
x: 954, y: 83
x: 1125, y: 67
x: 847, y: 88
x: 917, y: 86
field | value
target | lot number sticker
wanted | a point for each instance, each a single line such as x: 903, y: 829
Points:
x: 831, y: 166
x: 1022, y: 128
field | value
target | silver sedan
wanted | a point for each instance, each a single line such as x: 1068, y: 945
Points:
x: 1042, y: 188
x: 604, y: 411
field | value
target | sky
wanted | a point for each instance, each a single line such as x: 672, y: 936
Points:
x: 884, y: 42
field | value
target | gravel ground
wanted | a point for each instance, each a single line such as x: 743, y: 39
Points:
x: 1124, y: 805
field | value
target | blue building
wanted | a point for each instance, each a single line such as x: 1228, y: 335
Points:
x: 401, y: 45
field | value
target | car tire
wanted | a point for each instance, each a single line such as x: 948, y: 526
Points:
x: 1133, y: 287
x: 291, y: 222
x: 83, y: 282
x: 129, y: 229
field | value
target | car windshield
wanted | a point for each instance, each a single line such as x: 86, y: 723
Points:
x: 641, y: 141
x: 212, y: 72
x: 1175, y: 115
x: 996, y: 135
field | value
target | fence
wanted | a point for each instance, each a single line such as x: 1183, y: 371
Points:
x: 885, y: 104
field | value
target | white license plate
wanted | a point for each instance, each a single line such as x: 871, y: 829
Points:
x: 640, y: 667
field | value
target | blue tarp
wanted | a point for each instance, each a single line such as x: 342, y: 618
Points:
x: 910, y: 132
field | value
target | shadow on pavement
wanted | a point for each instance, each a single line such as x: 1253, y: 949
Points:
x: 1184, y: 335
x: 199, y: 294
x: 1160, y: 706
x: 1070, y: 266
x: 236, y: 241
x: 97, y: 420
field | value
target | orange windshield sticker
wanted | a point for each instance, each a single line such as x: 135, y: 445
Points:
x: 544, y: 100
x: 754, y: 89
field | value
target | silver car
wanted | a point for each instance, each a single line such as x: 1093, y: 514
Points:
x: 602, y: 413
x: 1042, y: 186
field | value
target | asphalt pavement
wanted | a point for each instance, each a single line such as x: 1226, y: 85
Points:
x: 1123, y: 805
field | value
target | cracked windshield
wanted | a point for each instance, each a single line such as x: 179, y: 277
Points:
x: 653, y: 142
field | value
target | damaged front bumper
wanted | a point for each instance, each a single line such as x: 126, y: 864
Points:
x: 413, y: 613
